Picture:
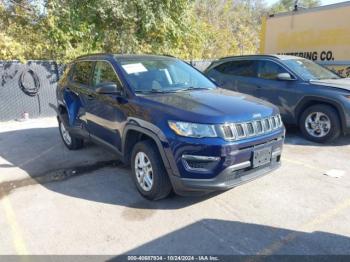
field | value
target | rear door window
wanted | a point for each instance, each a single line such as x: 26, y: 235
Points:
x: 66, y: 74
x: 246, y: 68
x: 82, y: 72
x: 269, y: 70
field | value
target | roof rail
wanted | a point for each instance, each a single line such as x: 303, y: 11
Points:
x: 169, y: 55
x: 157, y: 54
x: 240, y: 56
x: 87, y: 55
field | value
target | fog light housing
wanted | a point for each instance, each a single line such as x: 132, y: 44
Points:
x: 199, y: 163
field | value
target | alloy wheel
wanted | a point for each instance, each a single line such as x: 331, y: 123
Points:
x: 65, y: 134
x: 144, y: 171
x: 317, y: 124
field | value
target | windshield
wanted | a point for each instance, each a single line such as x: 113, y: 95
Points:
x: 161, y: 74
x: 309, y: 70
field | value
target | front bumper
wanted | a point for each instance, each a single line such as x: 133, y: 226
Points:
x: 230, y: 177
x: 229, y: 164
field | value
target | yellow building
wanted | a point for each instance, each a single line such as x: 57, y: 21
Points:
x: 321, y: 34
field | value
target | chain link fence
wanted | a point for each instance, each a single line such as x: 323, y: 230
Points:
x: 27, y: 88
x: 31, y: 87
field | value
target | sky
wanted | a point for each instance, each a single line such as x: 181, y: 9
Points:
x: 324, y: 2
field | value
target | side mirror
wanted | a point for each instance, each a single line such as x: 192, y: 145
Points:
x: 284, y: 76
x: 108, y: 88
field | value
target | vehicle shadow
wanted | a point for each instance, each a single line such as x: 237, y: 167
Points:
x: 294, y: 137
x: 221, y: 237
x: 91, y: 173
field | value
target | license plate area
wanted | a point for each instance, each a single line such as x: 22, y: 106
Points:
x: 262, y: 156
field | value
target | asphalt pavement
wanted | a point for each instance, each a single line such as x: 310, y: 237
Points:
x: 56, y: 201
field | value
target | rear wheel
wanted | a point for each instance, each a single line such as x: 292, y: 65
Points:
x: 320, y: 123
x: 148, y: 172
x: 71, y: 142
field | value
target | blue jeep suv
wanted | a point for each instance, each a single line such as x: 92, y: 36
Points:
x: 167, y: 120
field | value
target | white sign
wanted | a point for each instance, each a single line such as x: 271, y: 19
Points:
x: 134, y: 68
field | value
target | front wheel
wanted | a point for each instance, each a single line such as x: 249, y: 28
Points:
x: 148, y: 172
x: 320, y: 123
x: 71, y: 142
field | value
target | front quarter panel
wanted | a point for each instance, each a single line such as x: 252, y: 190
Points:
x: 312, y: 94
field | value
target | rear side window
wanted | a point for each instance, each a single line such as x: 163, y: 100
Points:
x: 225, y: 68
x: 245, y: 68
x: 82, y: 72
x: 104, y: 73
x: 67, y: 71
x: 269, y: 70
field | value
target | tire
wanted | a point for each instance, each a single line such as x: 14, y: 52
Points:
x: 329, y: 127
x: 71, y: 142
x: 160, y: 187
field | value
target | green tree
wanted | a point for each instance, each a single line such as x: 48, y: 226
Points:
x: 134, y: 26
x: 20, y: 31
x: 189, y: 29
x: 64, y: 29
x: 231, y: 27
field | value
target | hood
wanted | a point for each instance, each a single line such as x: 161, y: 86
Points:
x: 210, y: 106
x: 342, y: 83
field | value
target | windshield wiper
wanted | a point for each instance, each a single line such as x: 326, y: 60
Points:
x: 171, y: 90
x: 326, y: 78
x: 149, y: 91
x: 193, y: 88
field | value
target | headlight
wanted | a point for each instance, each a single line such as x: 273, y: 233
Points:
x: 192, y: 129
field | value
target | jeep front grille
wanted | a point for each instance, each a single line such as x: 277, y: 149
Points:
x: 236, y: 131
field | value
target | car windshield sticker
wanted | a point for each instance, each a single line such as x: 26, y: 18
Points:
x: 134, y: 68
